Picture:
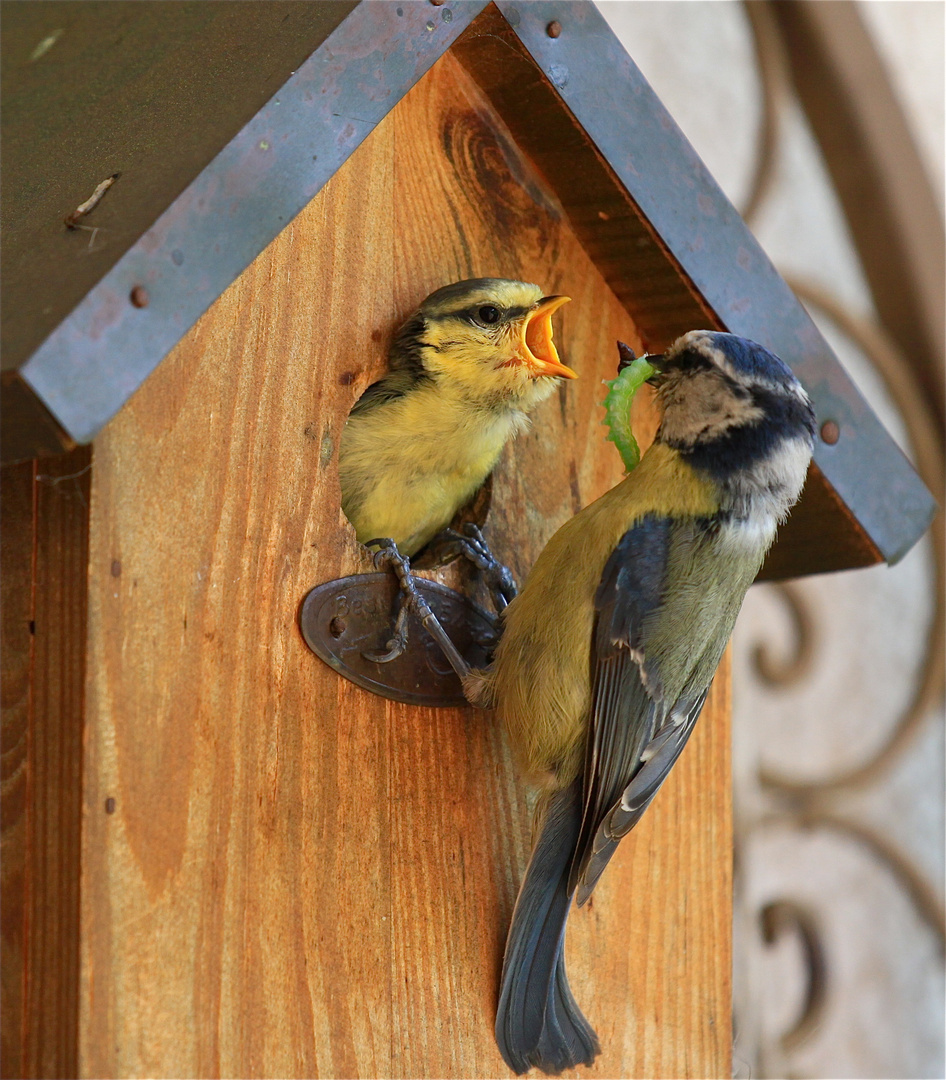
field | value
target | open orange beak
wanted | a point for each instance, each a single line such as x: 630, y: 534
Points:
x: 536, y: 349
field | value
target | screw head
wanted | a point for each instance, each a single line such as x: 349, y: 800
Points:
x: 830, y: 432
x: 554, y: 28
x: 139, y: 296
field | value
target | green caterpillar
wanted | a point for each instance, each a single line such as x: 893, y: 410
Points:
x: 617, y: 406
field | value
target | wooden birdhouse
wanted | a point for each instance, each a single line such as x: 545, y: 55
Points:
x: 220, y: 857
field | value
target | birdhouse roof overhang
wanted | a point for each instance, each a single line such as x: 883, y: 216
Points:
x: 668, y: 242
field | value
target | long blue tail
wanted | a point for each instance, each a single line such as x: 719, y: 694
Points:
x: 538, y: 1022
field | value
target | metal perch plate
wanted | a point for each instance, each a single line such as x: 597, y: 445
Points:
x: 343, y: 619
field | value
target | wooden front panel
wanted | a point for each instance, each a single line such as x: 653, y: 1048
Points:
x: 298, y: 878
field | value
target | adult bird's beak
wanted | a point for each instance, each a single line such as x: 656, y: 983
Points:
x: 656, y: 360
x: 536, y: 349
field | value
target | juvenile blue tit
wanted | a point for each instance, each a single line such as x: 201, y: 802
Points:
x: 609, y: 650
x: 465, y: 369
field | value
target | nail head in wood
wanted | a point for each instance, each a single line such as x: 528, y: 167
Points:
x: 830, y: 432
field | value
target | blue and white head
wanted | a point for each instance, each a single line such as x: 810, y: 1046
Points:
x: 734, y: 410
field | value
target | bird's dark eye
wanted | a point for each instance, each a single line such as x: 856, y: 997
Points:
x: 488, y: 314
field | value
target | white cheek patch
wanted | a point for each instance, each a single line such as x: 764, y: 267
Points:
x: 706, y: 408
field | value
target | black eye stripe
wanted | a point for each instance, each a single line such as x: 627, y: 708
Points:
x: 474, y: 314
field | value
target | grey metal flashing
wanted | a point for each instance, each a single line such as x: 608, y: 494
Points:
x: 95, y: 359
x: 615, y: 105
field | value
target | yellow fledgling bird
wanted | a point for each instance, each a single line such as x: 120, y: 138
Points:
x: 607, y: 653
x: 465, y: 369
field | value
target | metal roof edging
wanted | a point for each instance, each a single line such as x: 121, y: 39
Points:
x: 90, y: 365
x: 617, y: 108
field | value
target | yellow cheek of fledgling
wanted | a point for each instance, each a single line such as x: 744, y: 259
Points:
x: 485, y: 368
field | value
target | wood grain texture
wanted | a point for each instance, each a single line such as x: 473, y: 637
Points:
x: 16, y: 539
x: 301, y: 879
x: 45, y: 558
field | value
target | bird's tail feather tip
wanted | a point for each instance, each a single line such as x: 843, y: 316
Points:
x: 538, y: 1022
x: 565, y: 1041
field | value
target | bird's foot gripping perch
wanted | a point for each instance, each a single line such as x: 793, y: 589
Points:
x: 411, y: 601
x: 471, y: 544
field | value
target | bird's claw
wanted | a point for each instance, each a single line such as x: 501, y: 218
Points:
x: 397, y: 643
x: 410, y: 600
x: 471, y: 544
x: 388, y: 555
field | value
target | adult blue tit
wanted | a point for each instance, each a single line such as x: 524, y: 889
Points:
x: 464, y: 371
x: 609, y: 650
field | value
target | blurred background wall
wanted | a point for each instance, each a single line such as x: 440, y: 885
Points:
x: 825, y: 128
